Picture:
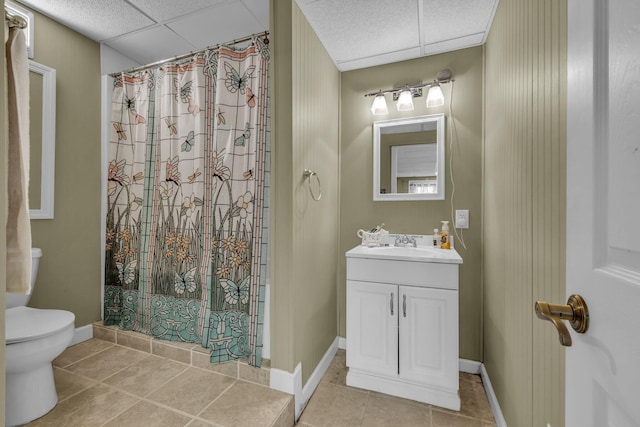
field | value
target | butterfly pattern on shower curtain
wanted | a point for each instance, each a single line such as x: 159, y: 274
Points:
x: 185, y: 196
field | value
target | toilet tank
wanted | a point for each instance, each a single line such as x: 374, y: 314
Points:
x: 16, y: 300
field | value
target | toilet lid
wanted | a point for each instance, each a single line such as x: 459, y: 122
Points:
x: 26, y: 323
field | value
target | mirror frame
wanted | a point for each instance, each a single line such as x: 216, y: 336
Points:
x: 48, y: 143
x: 377, y: 127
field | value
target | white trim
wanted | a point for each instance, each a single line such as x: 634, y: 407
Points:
x: 469, y: 366
x: 290, y: 383
x: 342, y: 343
x: 48, y: 143
x: 106, y: 82
x: 83, y: 333
x: 493, y: 399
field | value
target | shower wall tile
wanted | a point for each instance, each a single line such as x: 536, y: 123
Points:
x: 134, y: 340
x: 203, y: 361
x: 177, y: 352
x: 255, y: 375
x: 106, y: 333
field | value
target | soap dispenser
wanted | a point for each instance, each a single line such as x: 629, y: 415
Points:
x: 444, y: 236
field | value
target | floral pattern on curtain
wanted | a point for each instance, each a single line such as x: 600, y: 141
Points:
x: 185, y: 256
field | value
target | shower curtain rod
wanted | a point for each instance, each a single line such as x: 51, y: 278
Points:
x: 14, y: 20
x: 176, y: 58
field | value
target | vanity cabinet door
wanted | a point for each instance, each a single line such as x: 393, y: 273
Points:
x: 372, y: 327
x: 428, y: 342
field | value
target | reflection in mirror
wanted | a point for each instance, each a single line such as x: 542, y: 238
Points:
x: 42, y: 129
x: 408, y: 159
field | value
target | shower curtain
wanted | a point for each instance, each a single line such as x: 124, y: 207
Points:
x: 185, y: 239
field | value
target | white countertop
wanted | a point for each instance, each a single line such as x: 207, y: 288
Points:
x: 418, y: 254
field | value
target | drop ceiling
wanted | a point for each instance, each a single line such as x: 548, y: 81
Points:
x: 356, y: 33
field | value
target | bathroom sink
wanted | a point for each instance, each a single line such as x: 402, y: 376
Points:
x: 407, y: 253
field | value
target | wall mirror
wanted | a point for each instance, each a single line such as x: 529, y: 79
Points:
x: 408, y: 159
x: 42, y: 130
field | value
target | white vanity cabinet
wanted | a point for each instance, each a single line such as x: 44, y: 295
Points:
x: 402, y: 323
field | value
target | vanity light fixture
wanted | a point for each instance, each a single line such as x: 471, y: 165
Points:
x: 405, y: 100
x: 379, y: 105
x: 404, y: 95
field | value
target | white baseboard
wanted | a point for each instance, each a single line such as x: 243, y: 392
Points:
x: 342, y: 343
x: 469, y: 366
x: 292, y: 382
x: 493, y: 400
x: 83, y: 333
x: 289, y: 382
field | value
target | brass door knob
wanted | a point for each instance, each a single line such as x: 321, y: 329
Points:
x: 576, y: 312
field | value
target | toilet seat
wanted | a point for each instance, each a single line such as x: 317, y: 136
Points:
x: 27, y: 324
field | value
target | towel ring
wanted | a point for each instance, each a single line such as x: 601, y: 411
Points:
x: 308, y: 173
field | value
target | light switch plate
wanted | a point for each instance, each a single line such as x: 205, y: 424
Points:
x: 462, y: 218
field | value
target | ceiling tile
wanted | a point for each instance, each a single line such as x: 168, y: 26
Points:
x: 164, y: 10
x: 260, y: 10
x: 360, y: 29
x: 451, y: 19
x: 223, y: 23
x: 96, y: 19
x: 151, y: 45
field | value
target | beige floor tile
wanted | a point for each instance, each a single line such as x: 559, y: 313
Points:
x: 261, y: 406
x: 148, y: 414
x: 474, y: 402
x: 337, y: 371
x: 106, y: 363
x: 192, y: 390
x: 287, y: 416
x: 444, y: 419
x: 198, y: 423
x: 68, y: 384
x: 334, y: 405
x: 470, y: 377
x: 382, y: 410
x: 79, y: 351
x: 145, y: 376
x: 88, y: 408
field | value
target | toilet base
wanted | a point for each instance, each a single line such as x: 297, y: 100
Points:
x: 32, y: 395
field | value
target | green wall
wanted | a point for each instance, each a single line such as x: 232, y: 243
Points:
x: 525, y: 202
x: 69, y: 274
x: 304, y: 233
x: 357, y: 208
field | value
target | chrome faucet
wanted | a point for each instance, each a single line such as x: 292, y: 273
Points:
x: 405, y: 240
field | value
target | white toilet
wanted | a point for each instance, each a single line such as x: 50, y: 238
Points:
x: 34, y: 337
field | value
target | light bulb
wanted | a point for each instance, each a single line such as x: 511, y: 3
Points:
x: 379, y: 105
x: 435, y: 97
x: 405, y: 101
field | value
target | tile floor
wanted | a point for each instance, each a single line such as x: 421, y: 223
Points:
x: 336, y: 404
x: 101, y: 383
